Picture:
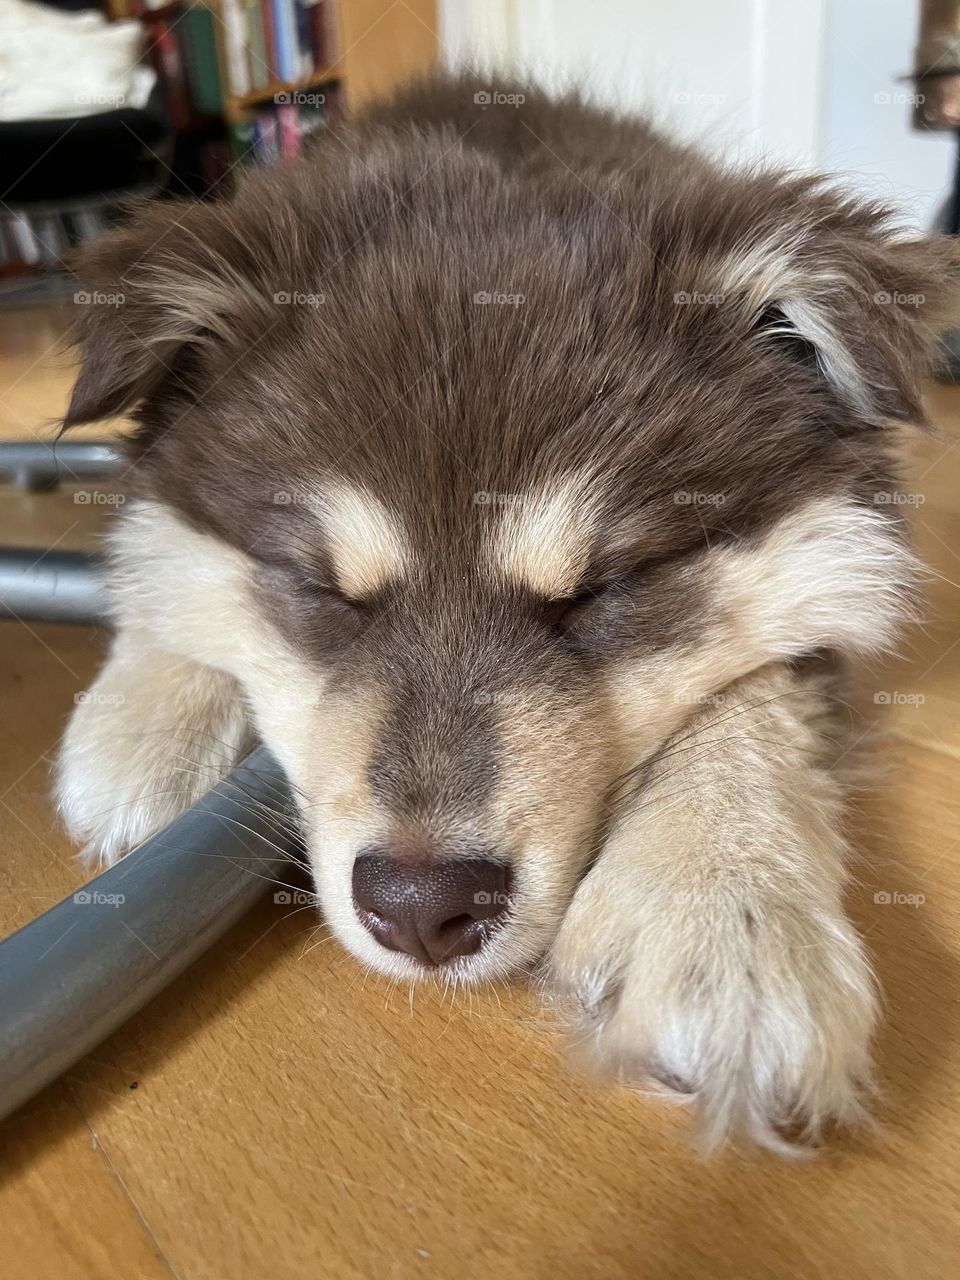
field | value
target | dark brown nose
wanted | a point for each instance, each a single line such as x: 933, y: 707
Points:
x: 433, y: 911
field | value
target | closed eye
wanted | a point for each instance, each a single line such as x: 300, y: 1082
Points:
x: 564, y: 612
x: 604, y: 595
x: 309, y: 582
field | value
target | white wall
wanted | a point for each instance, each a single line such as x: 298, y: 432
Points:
x: 803, y: 82
x: 866, y: 113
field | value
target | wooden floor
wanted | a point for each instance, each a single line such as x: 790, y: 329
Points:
x: 273, y: 1114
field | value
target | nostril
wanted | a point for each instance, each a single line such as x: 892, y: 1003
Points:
x: 433, y: 911
x: 458, y: 922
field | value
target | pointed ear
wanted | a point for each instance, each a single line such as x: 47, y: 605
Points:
x: 163, y: 283
x: 857, y: 303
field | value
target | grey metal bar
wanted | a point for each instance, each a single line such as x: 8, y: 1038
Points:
x: 51, y: 586
x: 70, y: 978
x: 40, y: 464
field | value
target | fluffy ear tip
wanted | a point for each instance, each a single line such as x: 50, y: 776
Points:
x: 69, y: 420
x: 78, y: 414
x: 100, y: 392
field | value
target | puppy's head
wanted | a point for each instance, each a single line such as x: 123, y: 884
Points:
x: 481, y: 482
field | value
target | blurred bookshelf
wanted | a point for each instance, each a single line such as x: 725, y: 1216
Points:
x: 243, y: 80
x: 271, y: 72
x: 239, y: 83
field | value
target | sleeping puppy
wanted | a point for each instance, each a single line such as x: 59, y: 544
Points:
x: 520, y: 479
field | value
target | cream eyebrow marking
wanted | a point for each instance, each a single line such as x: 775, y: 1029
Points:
x: 544, y: 538
x: 367, y: 543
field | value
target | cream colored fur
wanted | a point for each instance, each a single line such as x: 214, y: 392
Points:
x: 152, y: 734
x: 774, y: 270
x: 367, y: 542
x: 543, y: 539
x: 707, y: 951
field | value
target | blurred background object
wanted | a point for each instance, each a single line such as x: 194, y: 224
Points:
x: 170, y: 97
x: 937, y: 65
x: 937, y: 107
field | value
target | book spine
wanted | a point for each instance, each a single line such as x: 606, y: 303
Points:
x: 331, y: 30
x: 302, y: 10
x: 256, y: 47
x: 318, y: 39
x: 203, y: 71
x: 221, y: 50
x: 24, y: 238
x: 268, y: 22
x: 285, y: 27
x: 181, y: 34
x: 171, y: 71
x: 234, y: 37
x: 288, y: 120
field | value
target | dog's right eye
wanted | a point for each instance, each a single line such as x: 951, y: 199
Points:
x: 309, y: 584
x: 324, y: 593
x: 563, y: 613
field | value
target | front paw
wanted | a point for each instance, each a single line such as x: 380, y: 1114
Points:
x: 151, y: 736
x: 757, y: 1010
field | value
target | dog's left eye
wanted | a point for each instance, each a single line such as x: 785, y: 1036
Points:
x: 563, y: 613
